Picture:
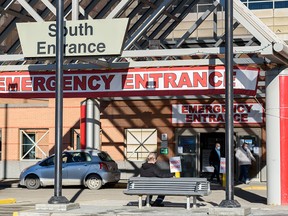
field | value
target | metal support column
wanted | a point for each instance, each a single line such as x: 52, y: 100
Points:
x: 92, y: 123
x: 58, y: 198
x: 229, y: 202
x: 97, y: 140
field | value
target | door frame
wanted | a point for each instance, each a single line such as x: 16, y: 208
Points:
x: 190, y: 131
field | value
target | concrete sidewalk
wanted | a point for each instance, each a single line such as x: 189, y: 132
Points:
x: 112, y: 202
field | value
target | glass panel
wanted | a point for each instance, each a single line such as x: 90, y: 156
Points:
x: 260, y: 5
x: 283, y: 4
x: 187, y: 151
x: 27, y: 146
x: 187, y: 144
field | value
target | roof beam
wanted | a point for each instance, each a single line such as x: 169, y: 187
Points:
x: 189, y: 51
x: 132, y: 64
x: 30, y: 10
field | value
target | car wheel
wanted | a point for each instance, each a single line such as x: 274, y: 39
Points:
x: 93, y: 182
x: 32, y: 182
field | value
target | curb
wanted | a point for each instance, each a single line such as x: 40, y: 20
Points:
x: 7, y: 201
x: 255, y: 188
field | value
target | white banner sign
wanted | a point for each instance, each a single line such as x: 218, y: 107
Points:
x: 175, y: 164
x: 129, y: 82
x: 215, y: 113
x: 222, y: 165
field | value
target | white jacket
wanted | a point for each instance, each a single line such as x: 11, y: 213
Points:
x: 244, y: 157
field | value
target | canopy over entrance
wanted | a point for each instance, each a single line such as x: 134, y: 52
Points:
x: 161, y: 33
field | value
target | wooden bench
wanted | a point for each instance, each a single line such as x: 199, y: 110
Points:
x: 185, y: 186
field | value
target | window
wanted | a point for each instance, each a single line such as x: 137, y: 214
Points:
x: 265, y: 4
x: 80, y: 157
x: 139, y: 143
x: 34, y: 144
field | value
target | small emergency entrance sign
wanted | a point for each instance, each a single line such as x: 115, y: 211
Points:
x: 175, y: 164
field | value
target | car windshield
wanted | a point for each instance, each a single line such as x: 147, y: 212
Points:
x: 104, y: 156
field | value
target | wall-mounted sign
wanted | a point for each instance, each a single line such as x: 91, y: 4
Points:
x: 215, y: 113
x: 164, y: 151
x: 100, y: 37
x: 129, y: 82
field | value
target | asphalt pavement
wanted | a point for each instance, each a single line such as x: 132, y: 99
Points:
x: 112, y: 201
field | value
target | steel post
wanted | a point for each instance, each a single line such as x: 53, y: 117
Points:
x: 58, y: 198
x: 229, y: 202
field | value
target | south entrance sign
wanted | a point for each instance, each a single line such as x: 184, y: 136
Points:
x: 100, y: 37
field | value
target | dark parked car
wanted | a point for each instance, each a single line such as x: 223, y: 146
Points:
x: 91, y: 168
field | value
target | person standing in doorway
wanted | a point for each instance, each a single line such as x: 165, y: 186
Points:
x: 150, y: 169
x: 214, y: 160
x: 244, y: 157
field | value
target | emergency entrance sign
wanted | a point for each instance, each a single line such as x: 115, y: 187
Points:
x: 129, y: 82
x: 175, y: 164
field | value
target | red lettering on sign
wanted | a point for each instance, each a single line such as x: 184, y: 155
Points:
x: 67, y: 83
x: 12, y: 83
x: 200, y: 79
x: 212, y: 79
x: 156, y: 77
x: 2, y: 84
x: 26, y: 84
x: 92, y: 82
x: 51, y: 84
x: 169, y: 80
x: 184, y: 81
x: 141, y: 81
x: 38, y: 84
x: 80, y: 82
x: 127, y: 81
x: 185, y: 109
x: 107, y: 81
x: 248, y: 107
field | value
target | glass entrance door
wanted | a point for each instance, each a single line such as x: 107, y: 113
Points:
x: 187, y: 150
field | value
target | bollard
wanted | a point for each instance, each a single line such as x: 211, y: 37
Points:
x: 177, y: 174
x: 224, y: 179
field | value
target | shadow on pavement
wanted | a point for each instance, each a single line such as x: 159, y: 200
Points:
x: 250, y: 197
x: 168, y: 204
x: 75, y: 197
x: 9, y: 183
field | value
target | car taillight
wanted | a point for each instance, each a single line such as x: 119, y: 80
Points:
x: 103, y: 166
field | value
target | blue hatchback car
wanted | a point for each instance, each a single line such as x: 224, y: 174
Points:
x: 91, y: 168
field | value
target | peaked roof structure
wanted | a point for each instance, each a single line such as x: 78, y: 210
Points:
x: 161, y: 33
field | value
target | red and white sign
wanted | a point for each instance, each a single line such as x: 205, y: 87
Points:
x: 175, y: 164
x: 215, y: 113
x: 129, y: 82
x: 222, y: 165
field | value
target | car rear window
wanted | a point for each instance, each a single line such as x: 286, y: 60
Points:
x: 105, y: 156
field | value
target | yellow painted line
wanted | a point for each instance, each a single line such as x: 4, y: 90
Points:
x: 7, y: 201
x: 255, y: 188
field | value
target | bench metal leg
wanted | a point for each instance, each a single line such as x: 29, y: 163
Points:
x: 194, y: 202
x: 188, y: 203
x: 148, y: 201
x: 140, y: 202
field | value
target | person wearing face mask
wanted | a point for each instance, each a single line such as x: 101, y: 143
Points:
x: 214, y: 160
x: 244, y: 157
